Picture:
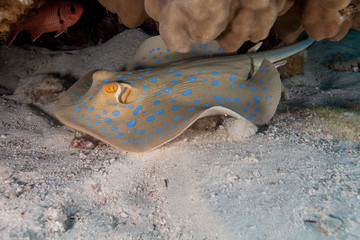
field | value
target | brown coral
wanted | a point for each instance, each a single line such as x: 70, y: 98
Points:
x: 320, y: 19
x: 232, y: 22
x: 12, y: 10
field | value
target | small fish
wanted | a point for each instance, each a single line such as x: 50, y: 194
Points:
x: 164, y: 92
x: 55, y: 16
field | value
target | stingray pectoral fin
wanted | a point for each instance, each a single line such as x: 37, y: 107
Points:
x: 264, y: 87
x: 154, y: 53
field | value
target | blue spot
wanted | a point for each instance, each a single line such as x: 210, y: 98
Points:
x: 254, y: 89
x: 176, y: 107
x: 82, y: 116
x: 173, y: 99
x: 97, y: 122
x: 236, y: 71
x: 150, y: 118
x: 216, y: 82
x: 196, y: 101
x: 251, y: 83
x: 156, y: 102
x: 257, y: 101
x: 257, y: 110
x: 245, y: 110
x: 217, y: 97
x: 267, y: 70
x: 248, y: 103
x: 174, y: 81
x: 157, y: 94
x: 119, y: 135
x: 160, y: 112
x: 270, y: 96
x: 167, y: 56
x: 186, y: 92
x: 103, y: 129
x: 132, y: 82
x: 214, y: 72
x: 232, y: 78
x: 227, y: 98
x: 242, y: 85
x: 205, y: 79
x: 114, y: 103
x: 262, y: 70
x: 105, y: 112
x: 233, y: 86
x: 127, y: 141
x: 107, y: 120
x: 270, y: 103
x: 167, y: 90
x: 171, y: 71
x: 270, y: 79
x: 178, y: 73
x: 192, y: 78
x: 137, y: 109
x: 90, y: 125
x: 139, y: 78
x: 207, y: 105
x: 141, y: 131
x: 264, y: 88
x: 176, y: 118
x: 131, y: 123
x: 107, y: 100
x: 87, y: 117
x: 106, y: 80
x: 158, y: 61
x: 146, y: 87
x: 221, y: 102
x: 91, y: 109
x: 115, y: 113
x: 153, y: 57
x: 200, y: 72
x: 262, y: 82
x: 97, y: 116
x: 191, y: 109
x: 158, y: 129
x: 114, y: 128
x: 153, y: 79
x: 149, y: 135
x: 237, y: 100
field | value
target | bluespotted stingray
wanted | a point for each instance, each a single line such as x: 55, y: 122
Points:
x: 163, y: 92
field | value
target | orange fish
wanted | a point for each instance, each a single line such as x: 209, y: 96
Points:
x: 55, y: 16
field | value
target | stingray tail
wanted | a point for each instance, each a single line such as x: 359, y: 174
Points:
x: 275, y: 55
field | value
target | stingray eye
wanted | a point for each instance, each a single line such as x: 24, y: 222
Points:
x: 72, y: 8
x: 111, y: 88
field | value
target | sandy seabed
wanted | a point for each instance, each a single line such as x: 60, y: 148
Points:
x: 297, y: 178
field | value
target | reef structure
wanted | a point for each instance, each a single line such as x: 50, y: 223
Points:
x: 12, y: 11
x: 232, y: 22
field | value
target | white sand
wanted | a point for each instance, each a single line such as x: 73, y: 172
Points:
x: 296, y: 179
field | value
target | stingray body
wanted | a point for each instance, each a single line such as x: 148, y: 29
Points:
x: 164, y: 92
